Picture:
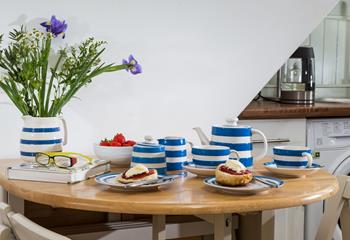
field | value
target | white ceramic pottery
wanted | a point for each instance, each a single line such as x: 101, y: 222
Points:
x: 42, y: 134
x: 292, y: 156
x: 149, y: 153
x: 236, y: 137
x: 175, y: 153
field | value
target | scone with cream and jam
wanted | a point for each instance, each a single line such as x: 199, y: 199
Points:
x: 137, y: 173
x: 233, y: 173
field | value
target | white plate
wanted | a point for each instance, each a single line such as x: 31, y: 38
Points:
x: 109, y: 179
x: 201, y: 172
x: 292, y: 172
x: 251, y: 188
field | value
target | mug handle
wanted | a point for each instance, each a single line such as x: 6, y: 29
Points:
x: 236, y: 153
x: 263, y: 153
x: 65, y: 131
x: 309, y: 158
x: 189, y: 152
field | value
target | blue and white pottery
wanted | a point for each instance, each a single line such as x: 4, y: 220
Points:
x: 151, y: 154
x: 292, y: 172
x: 175, y: 153
x: 236, y: 137
x: 209, y: 156
x: 292, y: 156
x: 41, y: 134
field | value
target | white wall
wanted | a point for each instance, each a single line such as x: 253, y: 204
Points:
x: 203, y: 60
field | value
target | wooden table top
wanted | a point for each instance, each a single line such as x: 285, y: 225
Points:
x: 271, y: 110
x: 186, y: 196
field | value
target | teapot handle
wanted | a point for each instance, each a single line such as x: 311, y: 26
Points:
x: 263, y: 153
x: 65, y: 131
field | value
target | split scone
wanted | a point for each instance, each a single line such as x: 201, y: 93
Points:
x: 137, y: 173
x: 233, y: 173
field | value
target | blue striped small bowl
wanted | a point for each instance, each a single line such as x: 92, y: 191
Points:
x: 209, y: 156
x: 150, y: 154
x: 292, y: 156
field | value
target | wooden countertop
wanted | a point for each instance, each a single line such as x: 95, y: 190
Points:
x: 186, y: 196
x: 271, y: 110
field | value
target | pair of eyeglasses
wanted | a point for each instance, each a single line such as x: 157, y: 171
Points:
x: 60, y: 159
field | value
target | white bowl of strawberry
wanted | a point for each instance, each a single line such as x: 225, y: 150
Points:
x: 118, y: 150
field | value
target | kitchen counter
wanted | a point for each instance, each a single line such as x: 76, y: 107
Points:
x: 263, y: 109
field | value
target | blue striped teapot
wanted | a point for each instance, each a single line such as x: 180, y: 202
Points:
x: 236, y: 137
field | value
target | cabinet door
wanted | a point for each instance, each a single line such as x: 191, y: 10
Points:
x: 289, y: 222
x: 278, y: 132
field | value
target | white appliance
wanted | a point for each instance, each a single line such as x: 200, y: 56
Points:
x: 330, y: 139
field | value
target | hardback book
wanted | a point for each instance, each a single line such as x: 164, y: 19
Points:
x: 36, y: 172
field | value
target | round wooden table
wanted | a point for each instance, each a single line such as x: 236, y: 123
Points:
x: 187, y: 196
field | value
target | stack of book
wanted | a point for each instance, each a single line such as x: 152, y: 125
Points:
x: 36, y: 172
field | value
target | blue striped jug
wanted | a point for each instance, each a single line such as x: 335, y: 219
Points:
x: 149, y: 153
x: 236, y: 137
x: 175, y: 153
x: 42, y: 134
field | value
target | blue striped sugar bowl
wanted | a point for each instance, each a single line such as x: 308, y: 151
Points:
x: 41, y: 134
x: 151, y: 154
x: 175, y: 153
x: 209, y: 156
x: 292, y: 156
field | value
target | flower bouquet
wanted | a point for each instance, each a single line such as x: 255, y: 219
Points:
x: 40, y: 87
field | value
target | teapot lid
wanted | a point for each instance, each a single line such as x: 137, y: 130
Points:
x: 149, y: 145
x: 231, y: 122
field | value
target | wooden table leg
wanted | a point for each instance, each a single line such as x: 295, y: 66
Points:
x: 223, y: 227
x: 256, y: 226
x: 158, y: 227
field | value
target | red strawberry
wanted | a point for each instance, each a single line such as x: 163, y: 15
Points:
x: 105, y: 143
x: 119, y: 138
x: 115, y: 144
x: 130, y: 143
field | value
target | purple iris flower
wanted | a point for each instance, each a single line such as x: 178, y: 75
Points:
x: 55, y: 26
x: 133, y: 65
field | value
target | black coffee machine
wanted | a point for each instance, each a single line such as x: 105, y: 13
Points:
x: 296, y: 78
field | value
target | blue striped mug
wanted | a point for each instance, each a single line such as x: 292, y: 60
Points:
x: 149, y: 153
x: 175, y: 153
x: 210, y: 156
x: 42, y: 134
x: 292, y: 156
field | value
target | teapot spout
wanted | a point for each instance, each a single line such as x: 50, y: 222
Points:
x: 202, y: 137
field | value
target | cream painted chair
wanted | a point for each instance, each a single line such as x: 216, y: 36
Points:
x: 337, y: 207
x: 23, y: 228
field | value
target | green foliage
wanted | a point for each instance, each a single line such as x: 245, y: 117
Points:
x: 40, y: 88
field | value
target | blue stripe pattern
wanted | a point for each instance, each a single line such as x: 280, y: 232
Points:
x: 41, y: 142
x: 235, y: 146
x: 247, y: 162
x: 290, y: 163
x: 161, y: 170
x: 210, y: 152
x: 41, y: 130
x: 231, y: 131
x: 172, y: 142
x: 294, y: 153
x: 207, y: 163
x: 28, y: 154
x: 148, y: 160
x: 174, y: 166
x: 176, y: 153
x: 148, y: 149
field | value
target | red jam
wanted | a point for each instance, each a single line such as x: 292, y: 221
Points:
x: 232, y: 172
x: 140, y: 175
